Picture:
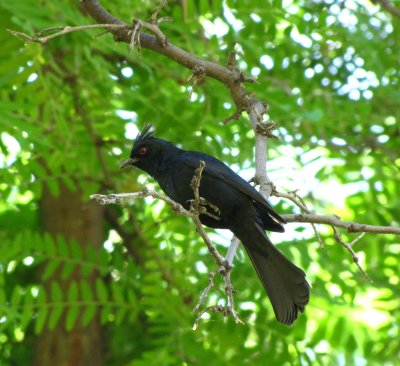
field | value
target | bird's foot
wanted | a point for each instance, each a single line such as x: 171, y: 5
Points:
x: 200, y: 207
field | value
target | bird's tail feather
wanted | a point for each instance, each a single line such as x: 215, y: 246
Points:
x: 285, y: 284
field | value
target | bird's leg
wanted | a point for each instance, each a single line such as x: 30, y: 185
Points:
x: 212, y: 206
x: 199, y: 207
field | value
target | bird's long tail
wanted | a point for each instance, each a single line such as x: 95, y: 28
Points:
x: 285, y: 284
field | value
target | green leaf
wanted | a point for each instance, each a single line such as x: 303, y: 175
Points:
x: 27, y: 310
x: 56, y: 292
x: 120, y: 315
x: 76, y: 251
x: 116, y: 291
x: 106, y: 314
x: 43, y: 310
x: 72, y: 292
x: 72, y: 316
x: 101, y: 290
x: 86, y: 290
x: 55, y: 315
x: 50, y: 269
x: 88, y: 314
x: 62, y: 246
x: 67, y: 270
x: 17, y: 296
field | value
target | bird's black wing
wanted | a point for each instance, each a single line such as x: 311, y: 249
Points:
x: 219, y: 170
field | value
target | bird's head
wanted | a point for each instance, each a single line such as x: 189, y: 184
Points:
x: 148, y: 151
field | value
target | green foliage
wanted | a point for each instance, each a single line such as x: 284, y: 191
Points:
x: 329, y: 71
x: 22, y: 303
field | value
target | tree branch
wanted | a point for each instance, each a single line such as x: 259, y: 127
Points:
x: 387, y: 5
x: 232, y: 78
x: 225, y: 265
x: 348, y: 246
x: 350, y: 226
x: 38, y: 38
x: 298, y: 201
x: 197, y: 208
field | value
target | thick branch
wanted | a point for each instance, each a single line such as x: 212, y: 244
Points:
x: 228, y: 76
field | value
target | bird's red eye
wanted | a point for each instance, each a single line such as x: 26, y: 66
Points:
x: 142, y: 150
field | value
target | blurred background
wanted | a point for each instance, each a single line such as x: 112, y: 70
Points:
x: 84, y: 284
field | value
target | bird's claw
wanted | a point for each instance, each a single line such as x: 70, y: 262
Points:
x: 200, y: 207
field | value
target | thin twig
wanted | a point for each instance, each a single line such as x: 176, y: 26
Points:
x: 229, y: 290
x: 135, y: 37
x: 298, y: 201
x: 206, y: 291
x: 118, y: 198
x: 211, y: 248
x: 162, y: 39
x: 196, y: 78
x: 153, y: 19
x: 64, y: 30
x: 224, y: 310
x: 333, y: 220
x: 348, y: 247
x: 229, y: 77
x: 359, y: 237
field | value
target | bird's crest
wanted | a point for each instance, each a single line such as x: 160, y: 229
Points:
x: 144, y: 134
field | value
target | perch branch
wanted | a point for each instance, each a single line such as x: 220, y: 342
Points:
x: 176, y: 207
x: 197, y: 208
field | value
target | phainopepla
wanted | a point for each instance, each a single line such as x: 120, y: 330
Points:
x: 242, y: 210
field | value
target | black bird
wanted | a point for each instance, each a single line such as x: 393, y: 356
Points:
x: 242, y: 210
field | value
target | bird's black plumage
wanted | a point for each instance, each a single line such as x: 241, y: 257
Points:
x: 242, y: 210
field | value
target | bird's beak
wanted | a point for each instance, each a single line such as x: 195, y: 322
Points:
x: 127, y: 162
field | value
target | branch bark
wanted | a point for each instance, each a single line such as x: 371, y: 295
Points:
x: 230, y: 76
x: 350, y: 226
